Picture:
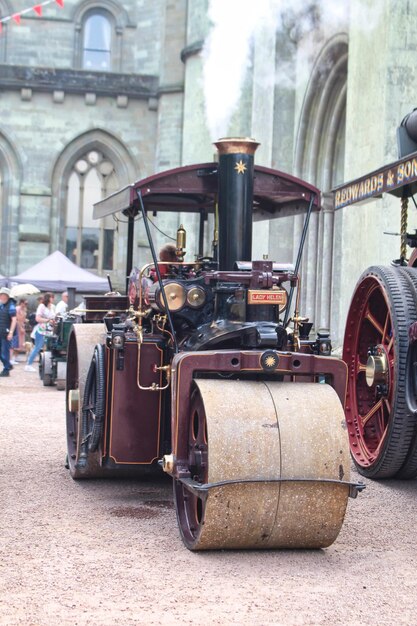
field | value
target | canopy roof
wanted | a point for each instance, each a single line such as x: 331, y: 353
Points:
x: 194, y: 188
x: 56, y: 273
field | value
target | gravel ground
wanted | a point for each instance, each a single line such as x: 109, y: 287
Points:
x: 108, y: 552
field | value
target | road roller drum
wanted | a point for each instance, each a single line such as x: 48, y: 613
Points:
x: 277, y: 466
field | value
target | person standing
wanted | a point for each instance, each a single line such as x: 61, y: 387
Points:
x: 18, y: 342
x: 62, y: 306
x: 45, y: 313
x: 7, y: 327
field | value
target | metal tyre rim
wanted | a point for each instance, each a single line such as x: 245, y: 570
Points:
x: 409, y: 468
x: 81, y: 343
x: 190, y: 508
x: 47, y: 380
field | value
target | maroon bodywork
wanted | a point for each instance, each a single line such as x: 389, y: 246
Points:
x: 133, y: 436
x: 291, y: 367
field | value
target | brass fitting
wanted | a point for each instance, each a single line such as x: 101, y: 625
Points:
x: 73, y: 400
x: 167, y: 370
x: 377, y: 368
x: 181, y: 243
x: 168, y: 463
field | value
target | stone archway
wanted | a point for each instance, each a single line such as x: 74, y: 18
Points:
x: 319, y: 159
x: 10, y: 182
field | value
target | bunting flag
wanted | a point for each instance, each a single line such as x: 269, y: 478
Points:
x: 17, y: 17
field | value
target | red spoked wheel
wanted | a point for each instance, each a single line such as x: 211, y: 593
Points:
x: 375, y: 349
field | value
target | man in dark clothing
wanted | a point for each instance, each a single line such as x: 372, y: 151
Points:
x: 7, y: 325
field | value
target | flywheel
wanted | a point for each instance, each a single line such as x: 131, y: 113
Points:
x: 375, y: 349
x: 272, y: 459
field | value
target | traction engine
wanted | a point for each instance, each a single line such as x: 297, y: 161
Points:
x: 380, y: 346
x: 53, y: 359
x: 212, y: 376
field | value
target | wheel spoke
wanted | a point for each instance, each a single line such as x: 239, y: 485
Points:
x: 365, y: 418
x: 390, y: 345
x: 381, y: 442
x: 360, y: 367
x: 374, y: 322
x: 386, y: 326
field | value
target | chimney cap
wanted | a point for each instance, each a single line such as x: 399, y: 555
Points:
x: 236, y: 145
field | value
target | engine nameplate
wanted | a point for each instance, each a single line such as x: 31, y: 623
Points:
x: 274, y: 296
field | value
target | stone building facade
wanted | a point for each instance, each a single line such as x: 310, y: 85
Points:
x: 91, y: 100
x: 100, y: 93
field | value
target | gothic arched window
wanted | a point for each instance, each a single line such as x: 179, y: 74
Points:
x: 97, y: 42
x: 90, y: 243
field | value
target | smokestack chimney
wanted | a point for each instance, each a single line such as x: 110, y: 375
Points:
x: 236, y: 168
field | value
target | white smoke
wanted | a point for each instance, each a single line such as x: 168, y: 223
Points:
x: 227, y: 51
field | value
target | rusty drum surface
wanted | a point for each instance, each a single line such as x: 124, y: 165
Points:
x: 291, y: 434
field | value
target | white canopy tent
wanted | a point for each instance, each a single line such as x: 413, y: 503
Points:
x: 57, y: 273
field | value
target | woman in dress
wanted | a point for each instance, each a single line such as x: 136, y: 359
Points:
x: 21, y: 314
x: 18, y: 341
x: 45, y: 313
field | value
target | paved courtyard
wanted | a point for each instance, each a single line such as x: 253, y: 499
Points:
x: 108, y: 552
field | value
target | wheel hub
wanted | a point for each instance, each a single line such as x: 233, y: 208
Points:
x: 376, y: 368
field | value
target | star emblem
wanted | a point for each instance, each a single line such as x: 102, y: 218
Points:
x: 240, y: 167
x: 270, y: 361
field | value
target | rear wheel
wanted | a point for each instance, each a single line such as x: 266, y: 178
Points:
x: 375, y: 349
x: 409, y: 468
x: 82, y: 342
x: 272, y: 457
x: 45, y: 368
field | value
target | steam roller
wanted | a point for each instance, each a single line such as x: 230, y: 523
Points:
x: 212, y: 374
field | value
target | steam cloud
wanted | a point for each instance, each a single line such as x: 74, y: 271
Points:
x: 226, y: 54
x: 234, y: 25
